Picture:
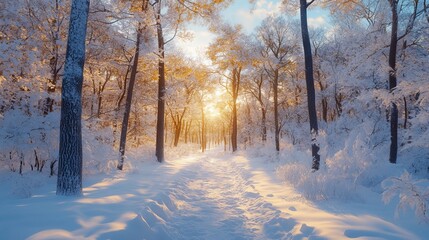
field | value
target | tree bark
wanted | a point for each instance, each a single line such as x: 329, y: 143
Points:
x: 119, y: 102
x: 54, y: 61
x: 177, y: 130
x: 392, y: 83
x: 263, y: 110
x: 161, y: 90
x: 235, y: 87
x: 101, y: 87
x: 276, y: 109
x: 187, y: 130
x: 70, y: 151
x: 338, y: 103
x: 406, y: 113
x: 203, y: 131
x: 309, y: 79
x: 264, y: 124
x: 224, y: 137
x: 128, y: 101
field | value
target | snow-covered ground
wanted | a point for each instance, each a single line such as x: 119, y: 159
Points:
x: 212, y: 195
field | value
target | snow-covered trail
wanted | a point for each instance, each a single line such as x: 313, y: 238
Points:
x: 201, y: 196
x: 235, y: 197
x: 222, y: 202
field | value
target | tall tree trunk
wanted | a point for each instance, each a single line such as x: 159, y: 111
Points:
x: 338, y: 102
x: 177, y: 131
x: 70, y: 153
x: 187, y: 130
x: 406, y: 113
x: 234, y: 132
x: 53, y: 62
x: 224, y: 136
x: 263, y: 110
x: 309, y: 79
x: 276, y: 109
x: 161, y: 90
x: 101, y: 87
x: 119, y: 102
x: 392, y: 82
x: 264, y: 124
x: 235, y: 87
x: 128, y: 101
x: 203, y: 131
x: 324, y: 109
x: 249, y: 123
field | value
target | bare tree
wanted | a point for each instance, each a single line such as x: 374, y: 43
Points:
x: 277, y: 50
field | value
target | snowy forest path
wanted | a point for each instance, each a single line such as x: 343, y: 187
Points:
x: 221, y: 194
x: 202, y: 196
x: 217, y: 195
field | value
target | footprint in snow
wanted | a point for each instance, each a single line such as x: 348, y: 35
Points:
x: 354, y: 233
x: 306, y: 230
x: 251, y: 195
x: 279, y: 228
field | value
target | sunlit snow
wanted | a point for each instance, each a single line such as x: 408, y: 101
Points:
x: 214, y: 195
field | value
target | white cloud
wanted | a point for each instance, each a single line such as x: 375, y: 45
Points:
x: 196, y: 46
x: 317, y: 22
x: 251, y: 16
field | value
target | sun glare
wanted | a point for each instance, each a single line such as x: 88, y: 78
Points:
x: 212, y: 111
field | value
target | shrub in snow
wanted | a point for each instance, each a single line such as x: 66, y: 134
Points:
x: 30, y: 141
x: 412, y: 193
x: 351, y: 150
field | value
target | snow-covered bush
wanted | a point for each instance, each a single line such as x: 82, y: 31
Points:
x: 31, y: 143
x: 352, y: 152
x: 412, y: 193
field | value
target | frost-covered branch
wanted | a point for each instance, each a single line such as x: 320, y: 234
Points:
x: 412, y: 193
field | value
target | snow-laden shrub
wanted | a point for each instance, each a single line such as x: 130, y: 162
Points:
x: 99, y: 155
x: 29, y: 142
x: 318, y: 185
x: 351, y: 159
x: 412, y: 194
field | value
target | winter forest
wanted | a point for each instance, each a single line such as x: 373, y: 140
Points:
x: 179, y: 119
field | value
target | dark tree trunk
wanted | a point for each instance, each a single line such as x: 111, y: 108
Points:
x: 263, y: 110
x: 128, y: 101
x: 264, y: 124
x: 406, y: 113
x: 309, y: 79
x: 392, y: 83
x: 224, y: 137
x: 236, y: 72
x: 338, y: 103
x: 187, y: 130
x: 178, y: 125
x: 119, y: 103
x: 161, y: 90
x: 70, y: 152
x: 234, y: 132
x: 53, y: 62
x: 203, y: 131
x: 249, y: 123
x: 324, y: 109
x: 324, y: 99
x: 101, y: 87
x: 276, y: 109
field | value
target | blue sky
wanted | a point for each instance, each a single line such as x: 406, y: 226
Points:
x: 249, y: 15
